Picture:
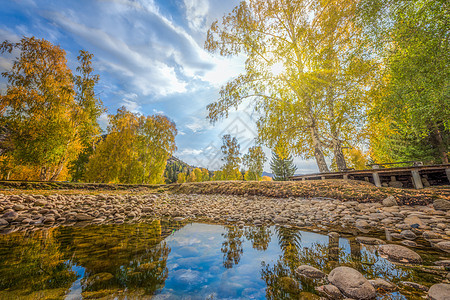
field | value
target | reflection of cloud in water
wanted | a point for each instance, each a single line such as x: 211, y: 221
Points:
x: 188, y: 251
x: 188, y: 276
x: 187, y: 241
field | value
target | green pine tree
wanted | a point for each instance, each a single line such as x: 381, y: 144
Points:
x: 282, y: 168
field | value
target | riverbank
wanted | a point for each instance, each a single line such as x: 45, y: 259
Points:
x: 399, y: 232
x: 27, y: 211
x: 344, y: 190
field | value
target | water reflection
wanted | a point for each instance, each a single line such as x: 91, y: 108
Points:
x: 259, y: 236
x: 232, y: 246
x: 168, y: 260
x: 30, y: 265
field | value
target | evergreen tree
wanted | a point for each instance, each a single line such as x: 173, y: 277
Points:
x: 282, y: 168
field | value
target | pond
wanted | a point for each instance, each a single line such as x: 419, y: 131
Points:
x: 171, y: 260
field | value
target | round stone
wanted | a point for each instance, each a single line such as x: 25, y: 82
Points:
x: 351, y: 283
x: 440, y: 291
x: 397, y: 253
x: 309, y: 272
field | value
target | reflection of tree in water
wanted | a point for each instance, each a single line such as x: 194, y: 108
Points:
x: 232, y: 246
x: 362, y: 258
x: 325, y: 257
x: 279, y: 277
x: 31, y: 263
x: 119, y: 258
x: 259, y: 236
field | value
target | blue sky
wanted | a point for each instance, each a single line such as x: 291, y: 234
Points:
x: 150, y: 58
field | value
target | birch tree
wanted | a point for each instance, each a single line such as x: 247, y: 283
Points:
x: 301, y: 56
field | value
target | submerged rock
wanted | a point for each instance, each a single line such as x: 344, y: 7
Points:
x: 369, y: 241
x: 289, y: 284
x: 381, y: 284
x: 309, y: 272
x: 397, y: 253
x: 330, y: 291
x: 414, y: 285
x: 351, y: 283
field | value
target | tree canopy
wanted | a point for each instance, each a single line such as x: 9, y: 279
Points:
x: 306, y: 72
x: 135, y: 150
x: 39, y: 108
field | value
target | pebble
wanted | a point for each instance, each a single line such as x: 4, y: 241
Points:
x: 320, y: 213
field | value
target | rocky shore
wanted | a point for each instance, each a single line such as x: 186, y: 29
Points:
x: 405, y: 223
x: 404, y: 226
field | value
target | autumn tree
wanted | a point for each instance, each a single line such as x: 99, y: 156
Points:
x: 305, y: 70
x: 230, y: 149
x: 39, y: 108
x: 254, y: 160
x: 181, y: 178
x: 282, y: 168
x: 410, y: 116
x: 90, y: 107
x: 135, y: 149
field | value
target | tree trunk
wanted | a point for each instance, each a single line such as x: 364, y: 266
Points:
x: 43, y: 174
x: 57, y: 172
x: 318, y: 152
x: 339, y: 155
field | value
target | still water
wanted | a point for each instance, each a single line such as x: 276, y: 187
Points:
x: 162, y: 260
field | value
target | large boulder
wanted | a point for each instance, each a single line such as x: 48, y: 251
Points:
x: 351, y: 283
x: 413, y: 221
x: 390, y: 201
x: 444, y: 246
x: 441, y: 204
x: 309, y: 272
x: 440, y: 291
x: 397, y: 253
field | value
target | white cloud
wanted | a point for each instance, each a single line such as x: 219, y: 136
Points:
x: 103, y: 121
x: 198, y: 124
x: 158, y: 112
x: 196, y: 13
x: 189, y: 151
x: 148, y: 75
x: 131, y: 104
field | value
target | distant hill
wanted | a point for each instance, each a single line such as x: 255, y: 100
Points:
x: 174, y: 167
x: 267, y: 174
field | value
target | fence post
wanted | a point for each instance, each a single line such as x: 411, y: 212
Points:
x: 417, y: 181
x: 376, y: 179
